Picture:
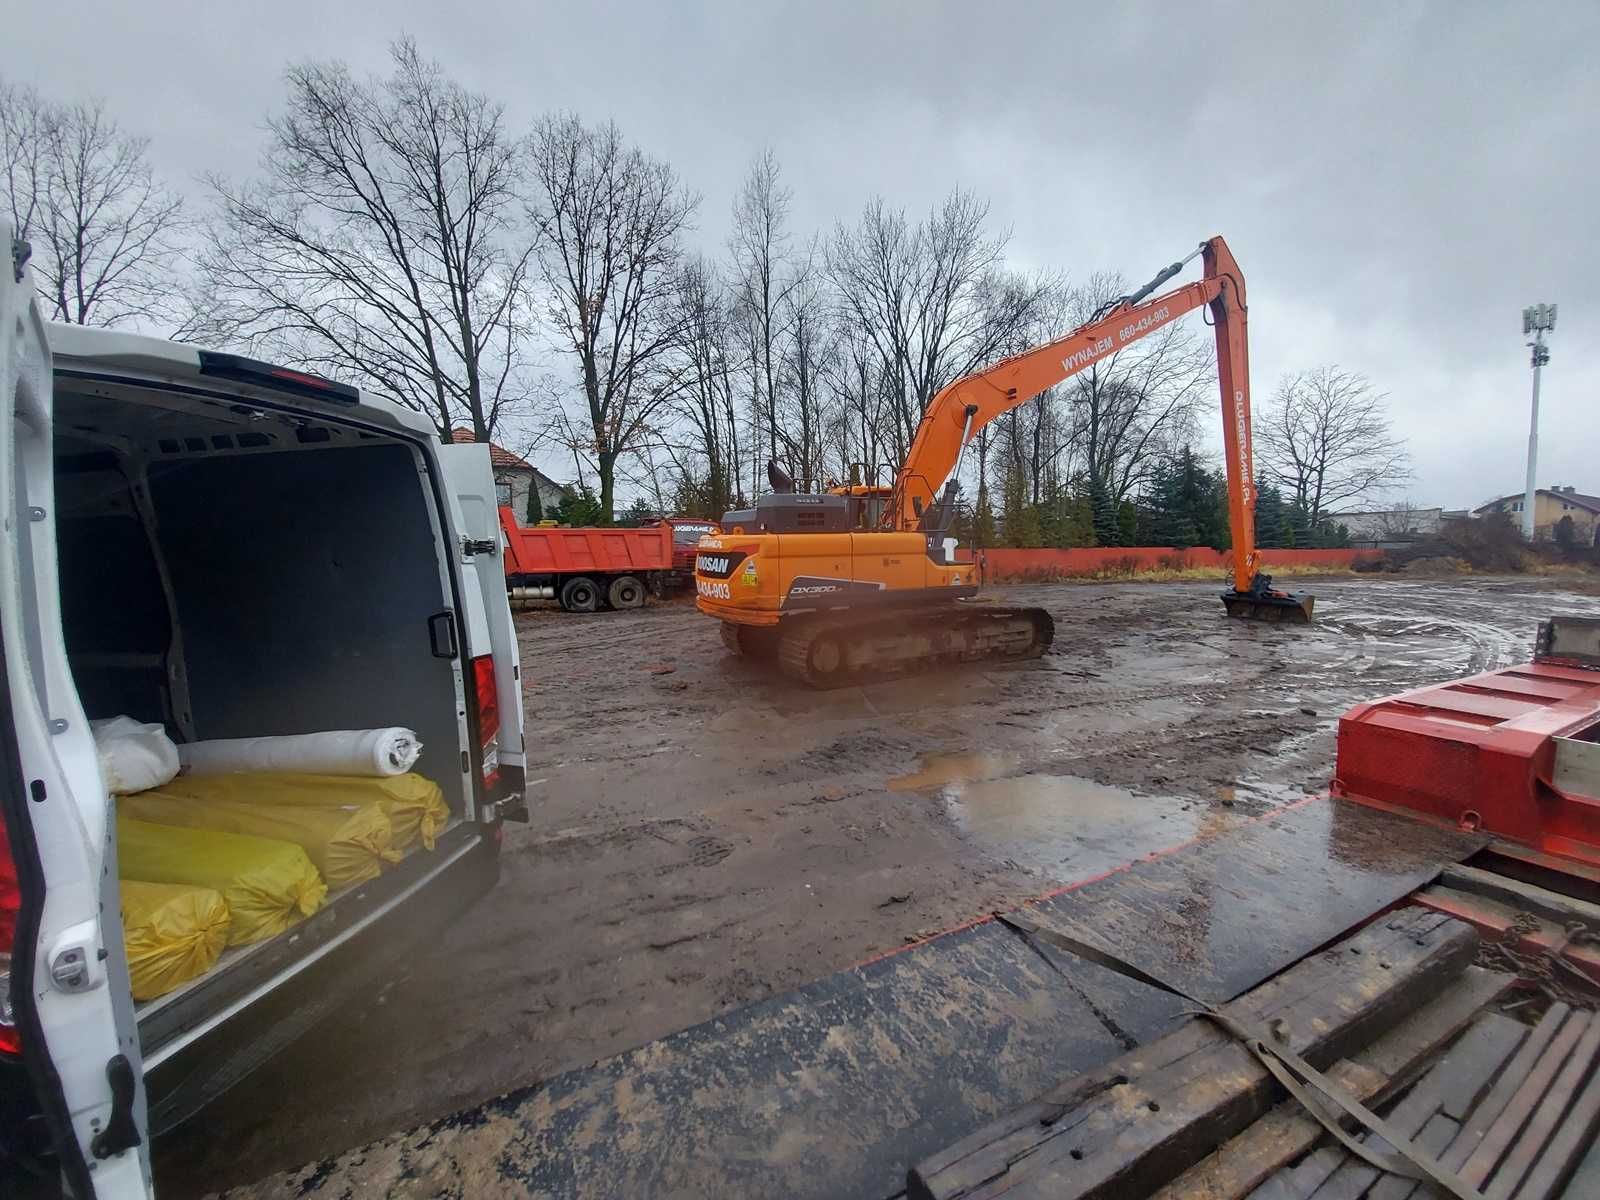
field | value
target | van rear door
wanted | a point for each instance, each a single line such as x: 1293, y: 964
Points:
x: 470, y: 476
x: 66, y: 980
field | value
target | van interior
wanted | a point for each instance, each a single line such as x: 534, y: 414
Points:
x: 230, y: 571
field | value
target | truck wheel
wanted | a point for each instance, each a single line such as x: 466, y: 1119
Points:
x: 580, y: 594
x: 626, y: 592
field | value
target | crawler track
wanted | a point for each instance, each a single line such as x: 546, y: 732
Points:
x: 834, y: 650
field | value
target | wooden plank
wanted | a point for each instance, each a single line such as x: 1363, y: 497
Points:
x: 1525, y: 1150
x: 1584, y: 1183
x: 1188, y: 1091
x: 1464, y: 1077
x: 1499, y: 1136
x: 1436, y: 1135
x: 1505, y: 1087
x: 1374, y: 1074
x: 1576, y: 1134
x: 1525, y: 896
x: 1467, y: 1069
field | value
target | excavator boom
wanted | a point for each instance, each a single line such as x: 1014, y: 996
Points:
x: 958, y: 411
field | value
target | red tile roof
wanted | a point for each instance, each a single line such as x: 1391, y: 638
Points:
x: 499, y: 456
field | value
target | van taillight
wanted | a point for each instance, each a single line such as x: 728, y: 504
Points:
x: 488, y: 717
x: 10, y: 904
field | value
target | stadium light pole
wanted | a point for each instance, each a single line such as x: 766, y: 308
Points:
x: 1537, y: 319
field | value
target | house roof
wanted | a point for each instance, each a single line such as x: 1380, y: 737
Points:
x: 499, y: 456
x: 1592, y: 503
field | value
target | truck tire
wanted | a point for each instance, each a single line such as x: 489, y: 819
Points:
x: 580, y: 594
x: 627, y: 591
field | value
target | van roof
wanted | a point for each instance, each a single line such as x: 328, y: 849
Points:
x: 114, y: 350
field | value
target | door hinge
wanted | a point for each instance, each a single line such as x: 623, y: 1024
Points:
x: 121, y: 1132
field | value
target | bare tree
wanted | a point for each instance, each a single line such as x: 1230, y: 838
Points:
x: 1129, y: 410
x: 806, y: 348
x: 703, y: 388
x: 24, y: 121
x: 934, y: 298
x: 1325, y: 438
x: 381, y: 244
x: 763, y: 276
x: 82, y: 191
x: 859, y: 401
x: 1398, y: 523
x: 609, y: 220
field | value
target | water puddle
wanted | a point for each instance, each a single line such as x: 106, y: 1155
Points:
x: 1061, y: 827
x: 938, y: 770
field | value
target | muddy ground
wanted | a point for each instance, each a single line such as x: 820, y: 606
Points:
x: 705, y: 835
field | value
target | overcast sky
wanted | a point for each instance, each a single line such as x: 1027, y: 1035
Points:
x: 1397, y: 180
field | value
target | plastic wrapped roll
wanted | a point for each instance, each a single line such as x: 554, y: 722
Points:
x: 414, y: 805
x: 347, y: 845
x: 391, y: 751
x: 174, y: 932
x: 267, y: 885
x: 133, y: 756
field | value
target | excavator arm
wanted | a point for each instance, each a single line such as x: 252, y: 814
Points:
x: 958, y: 411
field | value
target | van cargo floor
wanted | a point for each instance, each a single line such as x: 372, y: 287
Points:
x: 835, y: 1089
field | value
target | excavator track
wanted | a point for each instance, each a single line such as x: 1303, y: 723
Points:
x: 831, y: 650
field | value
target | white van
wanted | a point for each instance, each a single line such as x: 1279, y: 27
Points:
x: 230, y: 549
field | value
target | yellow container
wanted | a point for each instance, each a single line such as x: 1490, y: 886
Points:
x: 413, y: 803
x: 173, y: 932
x: 267, y: 885
x: 347, y: 845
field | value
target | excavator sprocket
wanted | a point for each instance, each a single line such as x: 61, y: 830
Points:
x: 835, y: 649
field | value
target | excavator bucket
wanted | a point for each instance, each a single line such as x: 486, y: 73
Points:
x: 1291, y: 607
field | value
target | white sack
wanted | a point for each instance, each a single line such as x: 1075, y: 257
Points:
x: 134, y: 757
x: 390, y: 751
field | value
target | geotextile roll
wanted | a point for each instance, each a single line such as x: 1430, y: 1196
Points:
x: 173, y: 932
x: 268, y: 885
x: 346, y: 845
x: 414, y: 805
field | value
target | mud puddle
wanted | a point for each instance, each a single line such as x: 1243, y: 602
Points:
x: 1060, y: 828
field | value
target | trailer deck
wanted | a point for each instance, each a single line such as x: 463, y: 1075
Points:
x: 840, y: 1087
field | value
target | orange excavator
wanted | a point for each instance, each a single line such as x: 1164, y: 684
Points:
x: 860, y: 583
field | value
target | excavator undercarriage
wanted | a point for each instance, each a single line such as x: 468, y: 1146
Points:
x: 839, y: 648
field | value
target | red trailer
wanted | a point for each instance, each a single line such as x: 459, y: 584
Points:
x: 585, y: 569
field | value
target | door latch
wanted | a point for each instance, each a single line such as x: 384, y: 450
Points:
x: 120, y: 1133
x: 76, y: 959
x: 472, y: 546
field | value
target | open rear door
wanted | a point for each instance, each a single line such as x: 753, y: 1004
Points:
x: 470, y: 477
x: 70, y: 1004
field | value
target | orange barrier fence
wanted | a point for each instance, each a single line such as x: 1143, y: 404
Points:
x: 1110, y: 561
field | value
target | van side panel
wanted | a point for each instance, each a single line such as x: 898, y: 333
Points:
x: 256, y: 545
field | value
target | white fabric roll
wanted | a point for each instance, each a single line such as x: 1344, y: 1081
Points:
x: 391, y: 751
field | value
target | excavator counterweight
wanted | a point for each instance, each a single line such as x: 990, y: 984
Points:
x: 861, y: 583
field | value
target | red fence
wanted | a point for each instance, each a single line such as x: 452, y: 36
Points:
x: 1100, y: 561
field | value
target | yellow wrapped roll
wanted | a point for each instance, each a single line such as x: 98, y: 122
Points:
x: 268, y: 885
x: 414, y: 804
x: 173, y: 932
x: 347, y: 845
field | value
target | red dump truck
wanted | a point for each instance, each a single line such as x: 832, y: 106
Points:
x: 586, y: 569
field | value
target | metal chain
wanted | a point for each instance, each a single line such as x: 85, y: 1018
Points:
x: 1555, y: 979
